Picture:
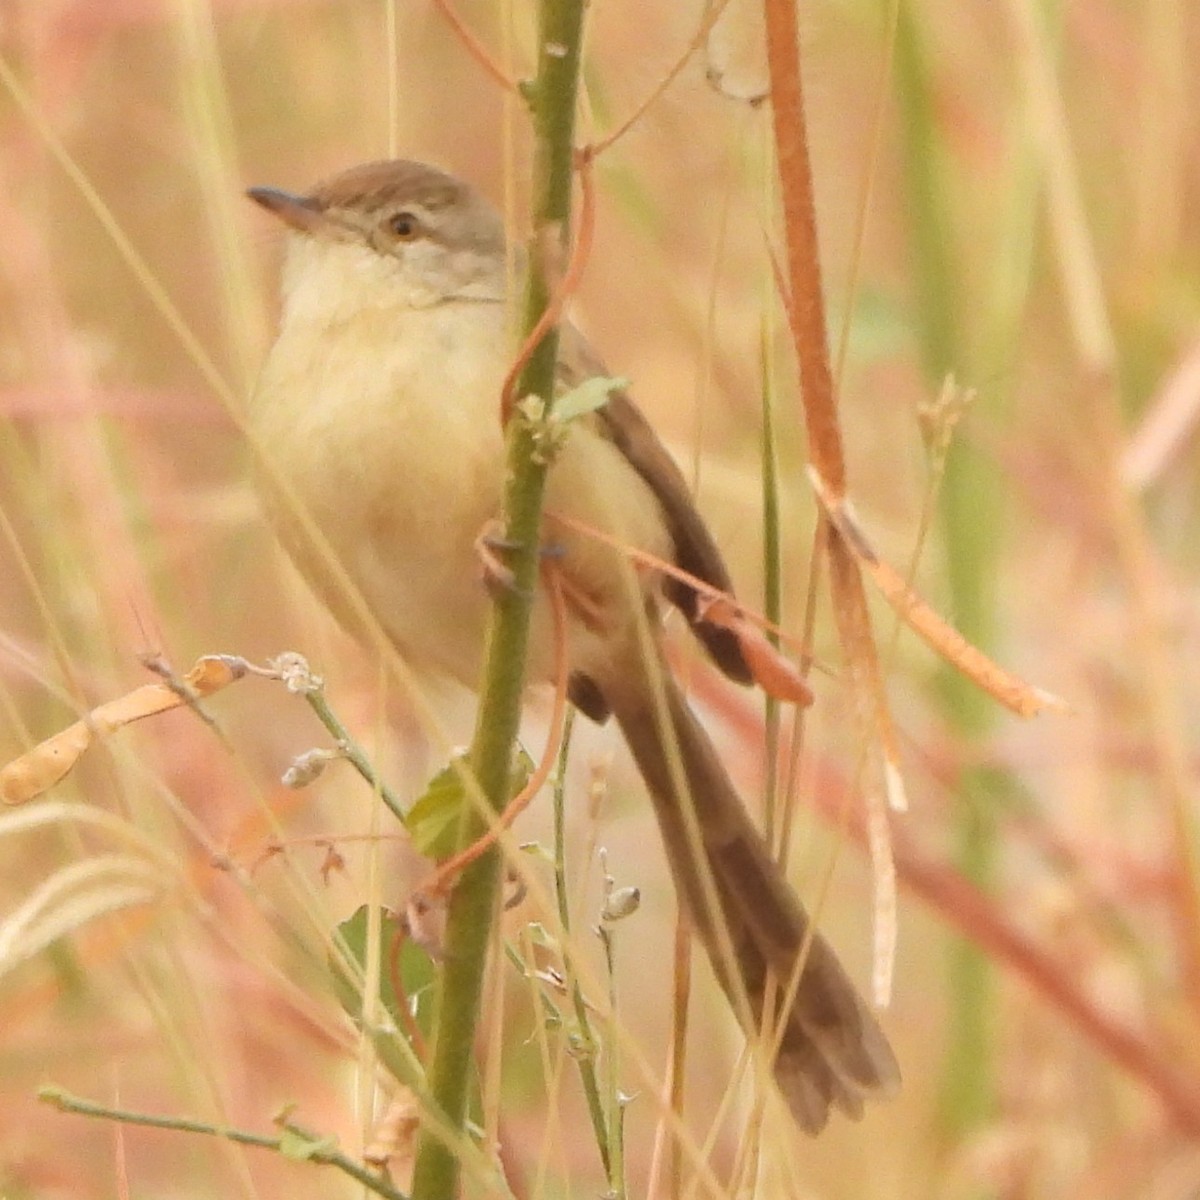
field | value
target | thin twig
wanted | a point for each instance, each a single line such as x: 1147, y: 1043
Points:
x: 474, y: 47
x: 314, y: 1148
x: 709, y: 20
x: 353, y: 753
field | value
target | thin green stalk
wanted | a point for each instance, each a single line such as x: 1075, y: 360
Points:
x: 616, y: 1102
x: 968, y: 509
x: 353, y: 753
x: 585, y: 1053
x: 294, y: 1142
x: 472, y: 905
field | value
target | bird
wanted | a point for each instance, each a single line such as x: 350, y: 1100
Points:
x: 378, y: 413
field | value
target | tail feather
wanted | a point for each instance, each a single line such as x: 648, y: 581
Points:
x: 832, y: 1052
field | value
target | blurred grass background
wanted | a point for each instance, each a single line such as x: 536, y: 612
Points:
x: 1030, y: 227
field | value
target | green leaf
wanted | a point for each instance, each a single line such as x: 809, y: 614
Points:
x: 301, y: 1147
x: 590, y: 395
x: 435, y: 818
x: 522, y: 770
x: 416, y: 973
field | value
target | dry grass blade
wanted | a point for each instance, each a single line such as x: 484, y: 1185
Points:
x: 74, y: 897
x: 1022, y: 698
x: 39, y: 769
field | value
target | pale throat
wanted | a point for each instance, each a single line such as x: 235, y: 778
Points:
x: 328, y: 281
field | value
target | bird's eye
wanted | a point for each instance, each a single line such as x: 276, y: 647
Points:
x: 404, y: 225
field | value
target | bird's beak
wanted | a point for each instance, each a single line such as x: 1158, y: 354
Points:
x: 299, y: 212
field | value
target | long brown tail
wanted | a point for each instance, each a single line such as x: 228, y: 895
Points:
x: 832, y: 1051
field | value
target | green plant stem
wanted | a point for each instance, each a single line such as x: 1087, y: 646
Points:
x: 585, y: 1054
x: 472, y: 904
x: 616, y: 1104
x: 353, y: 752
x: 307, y: 1145
x: 968, y: 510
